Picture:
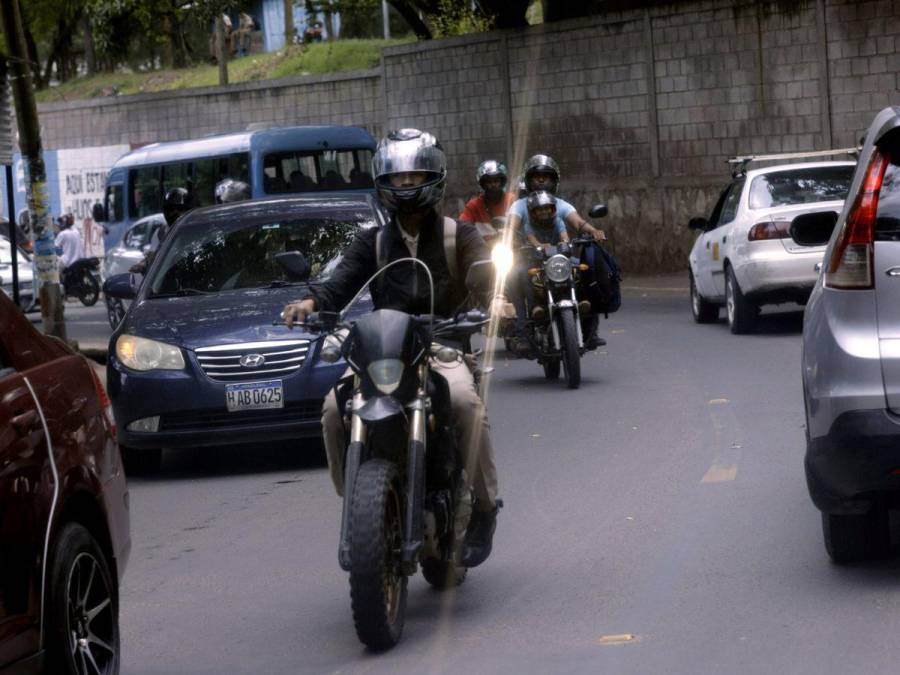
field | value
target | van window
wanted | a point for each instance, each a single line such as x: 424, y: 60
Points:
x: 145, y: 198
x: 801, y: 186
x: 887, y: 218
x: 175, y: 176
x: 114, y: 203
x: 317, y: 171
x: 209, y: 171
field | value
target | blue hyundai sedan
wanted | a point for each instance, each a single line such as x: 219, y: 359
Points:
x: 197, y: 360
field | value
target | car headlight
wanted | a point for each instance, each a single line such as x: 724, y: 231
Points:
x: 502, y: 257
x: 386, y: 374
x: 558, y: 268
x: 140, y: 353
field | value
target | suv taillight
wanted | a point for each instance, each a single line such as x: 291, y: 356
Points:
x: 770, y: 229
x: 105, y: 403
x: 851, y: 263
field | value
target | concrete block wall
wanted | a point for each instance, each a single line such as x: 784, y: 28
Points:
x: 146, y: 118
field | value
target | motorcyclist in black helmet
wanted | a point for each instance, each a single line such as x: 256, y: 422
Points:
x: 176, y: 203
x: 410, y: 172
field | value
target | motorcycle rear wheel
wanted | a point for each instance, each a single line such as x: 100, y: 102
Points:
x: 377, y: 584
x: 88, y: 289
x: 571, y: 357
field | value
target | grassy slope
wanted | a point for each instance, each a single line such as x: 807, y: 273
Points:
x: 324, y: 57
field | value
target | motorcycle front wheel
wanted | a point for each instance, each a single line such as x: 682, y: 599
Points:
x: 88, y: 289
x: 377, y: 584
x: 571, y: 358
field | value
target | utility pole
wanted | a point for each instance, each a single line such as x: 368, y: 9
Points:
x: 288, y: 23
x: 42, y: 227
x: 385, y: 20
x: 221, y: 53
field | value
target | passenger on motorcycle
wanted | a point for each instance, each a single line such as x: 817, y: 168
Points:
x: 493, y: 201
x: 541, y: 172
x: 69, y: 242
x: 410, y: 174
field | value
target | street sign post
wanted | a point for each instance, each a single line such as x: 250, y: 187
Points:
x: 6, y: 159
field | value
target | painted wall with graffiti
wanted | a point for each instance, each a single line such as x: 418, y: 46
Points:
x: 75, y: 182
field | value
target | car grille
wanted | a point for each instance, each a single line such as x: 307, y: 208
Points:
x: 281, y: 357
x: 207, y: 420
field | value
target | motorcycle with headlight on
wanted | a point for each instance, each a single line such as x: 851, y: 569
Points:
x: 406, y: 501
x: 555, y: 338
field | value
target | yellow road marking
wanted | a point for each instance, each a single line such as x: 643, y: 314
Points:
x: 718, y: 401
x: 719, y: 473
x: 623, y: 638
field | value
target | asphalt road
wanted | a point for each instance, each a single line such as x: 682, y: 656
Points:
x: 664, y: 501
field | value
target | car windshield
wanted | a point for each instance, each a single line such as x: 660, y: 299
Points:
x: 801, y: 186
x: 224, y: 258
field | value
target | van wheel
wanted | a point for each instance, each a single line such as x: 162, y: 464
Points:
x: 703, y: 311
x: 741, y: 312
x: 856, y: 538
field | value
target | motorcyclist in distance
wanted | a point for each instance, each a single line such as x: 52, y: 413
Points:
x: 410, y: 173
x: 493, y: 201
x: 541, y: 172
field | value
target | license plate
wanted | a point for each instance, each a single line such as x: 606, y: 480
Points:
x: 254, y: 395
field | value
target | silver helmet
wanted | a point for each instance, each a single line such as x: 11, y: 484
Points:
x: 539, y: 199
x: 540, y: 164
x: 409, y: 151
x: 491, y: 168
x: 229, y: 190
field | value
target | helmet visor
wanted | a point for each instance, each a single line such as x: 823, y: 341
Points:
x: 409, y: 155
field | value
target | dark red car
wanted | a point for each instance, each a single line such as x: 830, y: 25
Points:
x: 64, y: 525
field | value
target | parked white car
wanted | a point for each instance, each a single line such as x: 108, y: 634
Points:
x: 26, y: 275
x: 744, y: 257
x: 133, y: 246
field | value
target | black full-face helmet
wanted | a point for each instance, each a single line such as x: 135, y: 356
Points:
x: 541, y: 209
x: 175, y: 204
x: 544, y: 165
x: 409, y: 151
x: 491, y: 168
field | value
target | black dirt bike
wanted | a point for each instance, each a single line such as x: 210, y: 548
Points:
x: 406, y: 500
x: 80, y: 280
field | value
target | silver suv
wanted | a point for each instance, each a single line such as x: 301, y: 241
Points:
x: 851, y: 354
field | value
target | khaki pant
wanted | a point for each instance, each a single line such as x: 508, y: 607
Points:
x: 469, y: 420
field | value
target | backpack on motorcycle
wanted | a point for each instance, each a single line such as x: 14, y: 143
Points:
x: 601, y: 284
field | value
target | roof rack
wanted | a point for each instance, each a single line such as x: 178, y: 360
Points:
x: 739, y: 164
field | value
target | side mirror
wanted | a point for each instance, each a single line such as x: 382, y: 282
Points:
x: 701, y: 224
x: 480, y: 277
x: 813, y: 229
x: 120, y: 286
x: 295, y: 264
x: 98, y: 213
x: 598, y: 211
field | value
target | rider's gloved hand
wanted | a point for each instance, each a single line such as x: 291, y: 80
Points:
x: 296, y: 312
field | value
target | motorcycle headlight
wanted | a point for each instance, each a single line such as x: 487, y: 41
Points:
x: 386, y: 374
x: 140, y: 353
x: 502, y: 257
x: 558, y: 269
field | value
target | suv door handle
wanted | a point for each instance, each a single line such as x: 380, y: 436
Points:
x: 893, y: 272
x: 25, y: 422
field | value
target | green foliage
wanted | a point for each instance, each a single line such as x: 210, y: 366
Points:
x: 323, y: 57
x: 457, y: 18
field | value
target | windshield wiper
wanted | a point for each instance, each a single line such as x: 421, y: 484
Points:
x: 180, y: 293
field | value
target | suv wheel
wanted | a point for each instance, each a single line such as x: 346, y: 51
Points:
x: 855, y: 538
x: 741, y: 312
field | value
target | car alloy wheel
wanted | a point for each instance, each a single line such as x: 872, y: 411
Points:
x: 91, y: 619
